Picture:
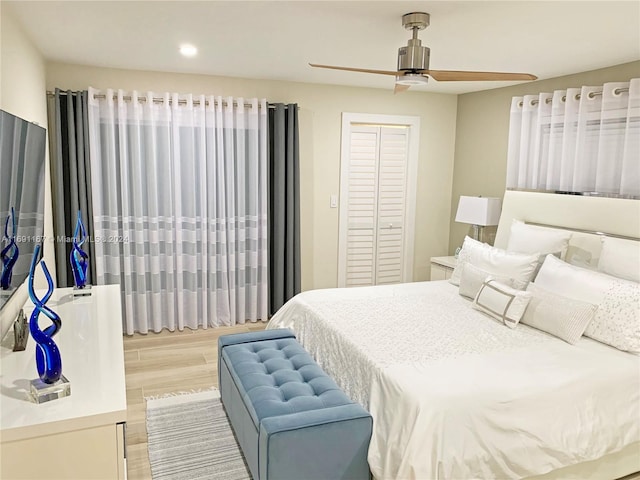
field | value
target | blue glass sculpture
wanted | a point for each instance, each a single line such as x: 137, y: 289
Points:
x: 48, y: 358
x: 10, y: 252
x: 79, y: 257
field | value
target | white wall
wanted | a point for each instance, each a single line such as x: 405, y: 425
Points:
x: 482, y: 134
x: 321, y: 107
x: 23, y: 93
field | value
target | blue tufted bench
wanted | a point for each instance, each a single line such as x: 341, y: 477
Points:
x: 290, y: 418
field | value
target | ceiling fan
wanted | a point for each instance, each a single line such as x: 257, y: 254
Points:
x: 413, y: 62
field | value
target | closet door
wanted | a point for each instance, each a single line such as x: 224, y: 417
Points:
x: 391, y: 202
x: 375, y: 202
x: 362, y: 205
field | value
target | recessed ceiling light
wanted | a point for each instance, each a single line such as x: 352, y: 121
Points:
x: 188, y: 50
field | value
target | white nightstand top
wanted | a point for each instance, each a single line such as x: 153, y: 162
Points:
x: 449, y: 262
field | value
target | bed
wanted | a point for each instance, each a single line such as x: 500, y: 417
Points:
x: 455, y: 394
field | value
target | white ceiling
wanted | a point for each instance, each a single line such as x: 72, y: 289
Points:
x: 277, y: 39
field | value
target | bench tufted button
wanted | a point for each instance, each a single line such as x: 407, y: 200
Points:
x: 279, y: 378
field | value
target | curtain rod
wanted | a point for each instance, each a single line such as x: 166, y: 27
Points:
x: 127, y: 98
x: 617, y: 91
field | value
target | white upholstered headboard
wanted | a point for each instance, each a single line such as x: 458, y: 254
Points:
x: 615, y: 216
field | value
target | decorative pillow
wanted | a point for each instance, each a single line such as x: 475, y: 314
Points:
x: 502, y: 302
x: 617, y: 321
x: 560, y: 316
x: 469, y: 246
x: 618, y: 324
x: 525, y: 238
x: 572, y: 281
x: 580, y: 258
x: 620, y: 258
x: 498, y: 262
x: 473, y: 277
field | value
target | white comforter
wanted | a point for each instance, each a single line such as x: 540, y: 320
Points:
x: 457, y: 395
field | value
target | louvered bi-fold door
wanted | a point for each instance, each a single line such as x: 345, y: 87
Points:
x: 376, y: 204
x: 392, y: 175
x: 362, y: 206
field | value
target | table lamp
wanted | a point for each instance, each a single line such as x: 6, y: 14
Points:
x: 479, y: 212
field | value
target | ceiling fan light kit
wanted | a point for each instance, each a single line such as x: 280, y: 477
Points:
x: 412, y: 79
x: 413, y: 62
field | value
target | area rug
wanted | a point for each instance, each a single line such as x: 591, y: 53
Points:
x: 189, y: 437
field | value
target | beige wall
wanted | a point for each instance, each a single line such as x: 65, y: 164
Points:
x: 22, y: 93
x: 321, y: 107
x: 479, y: 138
x: 482, y: 134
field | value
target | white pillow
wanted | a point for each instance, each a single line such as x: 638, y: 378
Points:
x: 560, y: 316
x: 620, y: 258
x: 618, y: 324
x: 617, y: 321
x: 469, y: 246
x: 525, y: 238
x: 580, y: 258
x: 572, y: 281
x: 496, y: 261
x: 502, y: 302
x: 473, y: 277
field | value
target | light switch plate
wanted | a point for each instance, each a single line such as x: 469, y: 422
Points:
x: 333, y: 202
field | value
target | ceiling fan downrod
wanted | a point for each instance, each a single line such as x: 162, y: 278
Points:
x: 414, y: 58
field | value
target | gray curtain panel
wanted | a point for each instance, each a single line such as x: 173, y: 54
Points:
x: 70, y: 177
x: 284, y: 204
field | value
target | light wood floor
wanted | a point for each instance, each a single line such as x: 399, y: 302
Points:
x: 166, y: 362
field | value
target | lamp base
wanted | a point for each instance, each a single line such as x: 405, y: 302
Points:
x: 41, y: 392
x: 82, y: 292
x: 477, y: 232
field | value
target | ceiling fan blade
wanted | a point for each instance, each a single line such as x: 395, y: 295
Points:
x: 461, y: 76
x: 399, y: 88
x: 361, y: 70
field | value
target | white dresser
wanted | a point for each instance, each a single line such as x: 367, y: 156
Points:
x: 80, y: 436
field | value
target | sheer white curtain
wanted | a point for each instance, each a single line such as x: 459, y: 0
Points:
x: 577, y: 140
x: 180, y: 207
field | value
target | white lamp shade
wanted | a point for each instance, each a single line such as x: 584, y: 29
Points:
x: 482, y: 211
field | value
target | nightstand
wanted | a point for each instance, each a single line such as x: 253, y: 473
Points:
x: 442, y: 267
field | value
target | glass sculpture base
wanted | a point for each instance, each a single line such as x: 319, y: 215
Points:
x: 44, y: 392
x: 4, y: 294
x: 82, y: 292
